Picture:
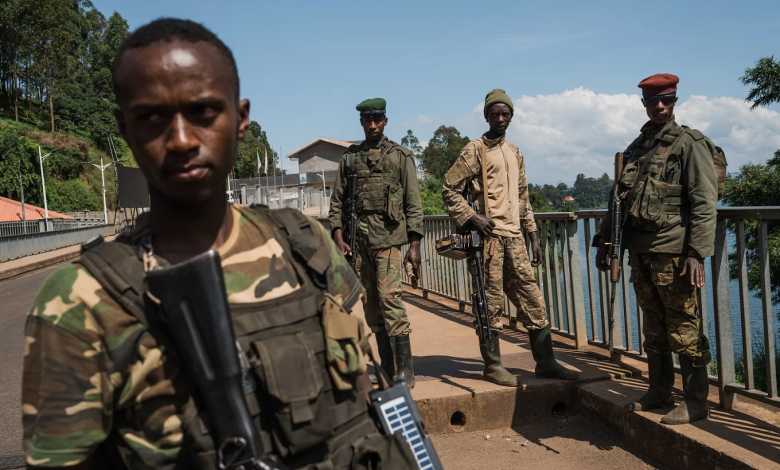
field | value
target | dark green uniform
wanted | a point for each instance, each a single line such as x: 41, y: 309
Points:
x: 671, y: 216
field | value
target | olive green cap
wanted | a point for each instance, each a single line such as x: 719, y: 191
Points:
x: 372, y: 107
x: 497, y: 96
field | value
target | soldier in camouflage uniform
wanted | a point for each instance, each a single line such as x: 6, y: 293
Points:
x: 494, y: 166
x: 670, y: 190
x: 101, y: 389
x: 390, y: 216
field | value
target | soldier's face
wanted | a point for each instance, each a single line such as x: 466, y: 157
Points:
x: 373, y: 127
x: 180, y: 116
x: 499, y: 116
x: 659, y: 109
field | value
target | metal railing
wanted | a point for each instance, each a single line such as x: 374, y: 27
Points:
x: 19, y: 227
x: 17, y: 246
x: 576, y: 293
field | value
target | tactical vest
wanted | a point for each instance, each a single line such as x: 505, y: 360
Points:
x: 656, y: 199
x: 379, y: 189
x: 304, y: 350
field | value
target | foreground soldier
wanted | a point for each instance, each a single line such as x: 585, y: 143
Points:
x: 670, y: 191
x: 493, y: 165
x: 390, y: 216
x: 101, y: 386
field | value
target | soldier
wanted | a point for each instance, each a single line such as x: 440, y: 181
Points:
x: 494, y: 166
x: 101, y: 389
x: 390, y: 216
x: 669, y: 190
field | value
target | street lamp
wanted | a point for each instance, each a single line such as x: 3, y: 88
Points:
x: 324, y: 190
x: 43, y: 182
x: 103, y: 181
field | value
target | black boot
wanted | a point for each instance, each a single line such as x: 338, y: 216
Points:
x: 494, y: 370
x: 385, y: 349
x: 403, y: 359
x: 697, y: 388
x: 661, y: 377
x: 546, y: 365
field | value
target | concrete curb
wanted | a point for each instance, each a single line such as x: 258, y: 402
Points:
x: 38, y: 265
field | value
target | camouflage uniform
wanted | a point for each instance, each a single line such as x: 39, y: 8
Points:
x: 671, y: 216
x: 509, y: 271
x: 93, y: 372
x: 389, y: 208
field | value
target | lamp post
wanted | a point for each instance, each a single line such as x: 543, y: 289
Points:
x: 21, y: 188
x: 43, y: 182
x: 324, y: 191
x: 103, y: 181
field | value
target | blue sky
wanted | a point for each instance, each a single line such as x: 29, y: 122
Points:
x: 305, y: 65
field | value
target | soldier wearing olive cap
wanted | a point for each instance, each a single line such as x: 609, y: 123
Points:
x: 669, y: 190
x: 390, y: 216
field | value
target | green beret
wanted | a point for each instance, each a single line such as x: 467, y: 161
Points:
x: 372, y: 107
x: 497, y: 96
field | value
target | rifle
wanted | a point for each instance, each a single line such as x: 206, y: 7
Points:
x: 351, y: 219
x: 474, y: 249
x: 194, y: 310
x: 615, y: 252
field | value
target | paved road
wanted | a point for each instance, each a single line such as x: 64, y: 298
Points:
x: 16, y: 296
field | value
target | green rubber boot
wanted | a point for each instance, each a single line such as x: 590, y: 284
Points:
x: 661, y: 377
x: 403, y: 359
x: 697, y: 388
x: 546, y: 365
x: 494, y: 370
x: 385, y: 349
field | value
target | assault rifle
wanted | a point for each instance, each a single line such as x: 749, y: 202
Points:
x: 615, y: 252
x: 479, y: 297
x: 195, y: 313
x: 350, y: 219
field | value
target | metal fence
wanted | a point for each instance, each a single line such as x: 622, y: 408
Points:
x: 17, y: 246
x: 576, y: 293
x: 38, y: 226
x: 311, y: 200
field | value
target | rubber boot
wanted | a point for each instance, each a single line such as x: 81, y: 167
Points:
x: 385, y: 349
x: 546, y: 365
x: 403, y: 359
x: 494, y: 370
x: 661, y: 377
x: 697, y: 388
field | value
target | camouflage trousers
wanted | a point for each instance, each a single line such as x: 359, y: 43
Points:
x: 671, y: 322
x: 380, y: 274
x: 509, y: 272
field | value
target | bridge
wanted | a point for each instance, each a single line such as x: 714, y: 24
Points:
x: 579, y: 424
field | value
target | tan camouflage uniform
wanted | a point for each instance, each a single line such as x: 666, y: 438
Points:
x: 661, y: 233
x: 90, y: 368
x: 509, y: 270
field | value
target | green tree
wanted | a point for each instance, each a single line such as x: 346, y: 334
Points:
x: 430, y: 195
x: 442, y: 151
x: 254, y: 144
x: 539, y: 202
x: 765, y: 79
x: 591, y: 193
x: 412, y: 143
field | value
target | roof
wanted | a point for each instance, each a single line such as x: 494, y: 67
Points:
x: 11, y: 211
x: 341, y: 143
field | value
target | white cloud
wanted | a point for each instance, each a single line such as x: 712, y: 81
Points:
x: 579, y: 131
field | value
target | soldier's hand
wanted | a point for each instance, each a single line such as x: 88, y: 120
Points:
x: 694, y: 267
x: 413, y: 255
x: 482, y: 223
x: 601, y: 258
x: 339, y: 239
x: 536, y: 249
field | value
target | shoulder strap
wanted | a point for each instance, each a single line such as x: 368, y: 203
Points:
x: 118, y: 270
x: 379, y: 162
x: 671, y: 138
x: 482, y: 151
x: 350, y: 160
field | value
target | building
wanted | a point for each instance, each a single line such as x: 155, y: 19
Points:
x: 11, y: 211
x: 321, y: 154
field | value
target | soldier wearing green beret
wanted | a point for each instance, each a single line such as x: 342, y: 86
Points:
x: 390, y: 216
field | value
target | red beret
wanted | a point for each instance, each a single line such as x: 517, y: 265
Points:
x: 659, y: 84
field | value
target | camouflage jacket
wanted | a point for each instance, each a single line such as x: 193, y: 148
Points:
x: 687, y: 230
x: 508, y: 202
x: 389, y: 200
x: 94, y: 372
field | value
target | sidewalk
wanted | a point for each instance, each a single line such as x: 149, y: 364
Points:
x: 26, y: 264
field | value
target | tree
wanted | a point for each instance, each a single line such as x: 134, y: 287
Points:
x: 591, y: 193
x: 410, y: 142
x: 442, y: 151
x: 765, y: 78
x: 539, y: 202
x: 254, y: 144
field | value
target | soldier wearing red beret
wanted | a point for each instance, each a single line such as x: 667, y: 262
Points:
x: 669, y: 191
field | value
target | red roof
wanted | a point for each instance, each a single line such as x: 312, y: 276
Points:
x: 11, y: 211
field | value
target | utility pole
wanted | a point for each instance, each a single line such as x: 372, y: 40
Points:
x: 43, y: 182
x: 103, y: 180
x: 21, y: 188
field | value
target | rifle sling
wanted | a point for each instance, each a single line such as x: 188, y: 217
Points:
x: 483, y: 155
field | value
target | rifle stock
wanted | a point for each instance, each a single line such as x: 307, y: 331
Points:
x: 351, y: 219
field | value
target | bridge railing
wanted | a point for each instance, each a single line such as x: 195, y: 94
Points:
x: 17, y: 246
x: 576, y: 293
